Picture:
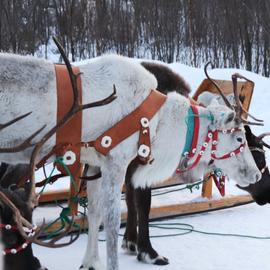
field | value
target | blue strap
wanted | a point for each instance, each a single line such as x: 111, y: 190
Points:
x: 190, y: 130
x: 190, y: 127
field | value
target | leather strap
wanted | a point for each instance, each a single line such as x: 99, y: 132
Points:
x: 72, y: 130
x: 138, y: 120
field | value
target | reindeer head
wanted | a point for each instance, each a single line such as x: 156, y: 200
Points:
x: 260, y: 191
x: 229, y: 150
x: 11, y: 237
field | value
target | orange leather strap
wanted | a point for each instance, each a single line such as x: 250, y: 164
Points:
x: 138, y: 120
x: 72, y: 130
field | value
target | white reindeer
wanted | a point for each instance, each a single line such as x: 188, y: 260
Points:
x: 28, y: 84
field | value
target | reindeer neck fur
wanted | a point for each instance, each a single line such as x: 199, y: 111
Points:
x: 168, y: 143
x: 29, y: 84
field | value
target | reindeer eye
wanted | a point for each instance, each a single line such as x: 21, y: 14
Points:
x: 239, y: 139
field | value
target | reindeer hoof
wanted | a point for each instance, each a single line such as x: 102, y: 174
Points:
x: 90, y: 268
x: 129, y: 246
x: 94, y: 266
x: 159, y: 260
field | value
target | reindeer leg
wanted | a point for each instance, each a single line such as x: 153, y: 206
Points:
x: 91, y: 259
x: 130, y: 236
x: 146, y: 253
x: 113, y: 176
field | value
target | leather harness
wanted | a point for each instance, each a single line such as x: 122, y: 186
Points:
x: 72, y: 131
x: 68, y: 138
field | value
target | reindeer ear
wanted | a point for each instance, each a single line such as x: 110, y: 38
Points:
x: 248, y: 130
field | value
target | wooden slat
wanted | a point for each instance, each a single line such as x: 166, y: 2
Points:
x: 61, y: 195
x: 179, y: 209
x: 58, y: 195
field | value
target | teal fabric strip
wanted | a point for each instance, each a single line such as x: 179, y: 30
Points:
x: 190, y: 131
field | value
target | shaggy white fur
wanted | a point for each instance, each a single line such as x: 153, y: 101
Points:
x: 28, y: 84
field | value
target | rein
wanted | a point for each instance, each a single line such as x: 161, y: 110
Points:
x: 213, y: 137
x: 19, y: 248
x: 190, y: 148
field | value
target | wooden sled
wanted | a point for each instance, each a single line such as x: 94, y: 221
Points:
x: 245, y: 89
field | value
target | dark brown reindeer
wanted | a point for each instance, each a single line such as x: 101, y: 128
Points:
x: 17, y: 202
x: 260, y: 191
x: 139, y: 200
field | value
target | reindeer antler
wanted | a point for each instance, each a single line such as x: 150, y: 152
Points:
x: 260, y: 137
x: 25, y: 226
x: 76, y: 107
x: 238, y: 108
x: 226, y: 101
x: 25, y: 144
x: 33, y: 199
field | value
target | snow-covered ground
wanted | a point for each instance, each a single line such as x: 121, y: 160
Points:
x: 191, y: 251
x: 197, y: 251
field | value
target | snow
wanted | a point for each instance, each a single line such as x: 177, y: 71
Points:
x: 195, y: 251
x: 191, y: 251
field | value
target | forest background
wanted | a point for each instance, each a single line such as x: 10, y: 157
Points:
x: 230, y: 33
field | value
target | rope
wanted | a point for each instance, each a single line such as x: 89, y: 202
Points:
x: 65, y: 213
x: 188, y: 228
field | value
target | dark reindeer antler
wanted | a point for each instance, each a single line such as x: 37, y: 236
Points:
x: 238, y: 108
x: 76, y: 107
x: 260, y: 137
x: 33, y: 198
x: 26, y: 143
x: 226, y: 101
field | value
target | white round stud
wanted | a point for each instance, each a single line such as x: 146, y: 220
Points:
x: 241, y: 149
x: 215, y: 142
x: 213, y: 152
x: 232, y: 154
x: 232, y: 130
x: 201, y: 153
x: 106, y: 141
x: 145, y: 131
x: 224, y: 131
x: 24, y: 245
x: 144, y: 151
x: 186, y: 154
x: 205, y: 144
x: 4, y: 253
x: 144, y: 122
x: 27, y: 230
x: 194, y: 150
x: 210, y: 135
x: 69, y: 158
x: 31, y: 234
x: 13, y: 251
x: 8, y: 227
